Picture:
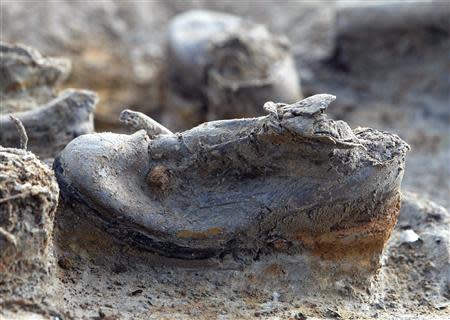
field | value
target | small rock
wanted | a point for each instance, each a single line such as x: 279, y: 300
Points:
x: 332, y: 314
x: 119, y: 268
x: 65, y: 263
x: 408, y: 236
x: 300, y: 316
x: 136, y: 292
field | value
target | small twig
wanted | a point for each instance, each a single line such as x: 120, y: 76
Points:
x: 22, y: 132
x: 8, y: 237
x: 19, y: 195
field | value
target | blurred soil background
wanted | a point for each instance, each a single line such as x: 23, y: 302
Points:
x: 392, y: 77
x: 388, y: 68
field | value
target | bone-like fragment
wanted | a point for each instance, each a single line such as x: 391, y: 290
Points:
x: 138, y: 120
x: 27, y: 90
x: 293, y: 177
x: 28, y: 200
x: 22, y: 132
x: 221, y: 66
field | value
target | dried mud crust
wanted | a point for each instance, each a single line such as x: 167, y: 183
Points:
x: 28, y: 201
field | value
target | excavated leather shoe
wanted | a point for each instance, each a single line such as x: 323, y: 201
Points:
x: 290, y: 181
